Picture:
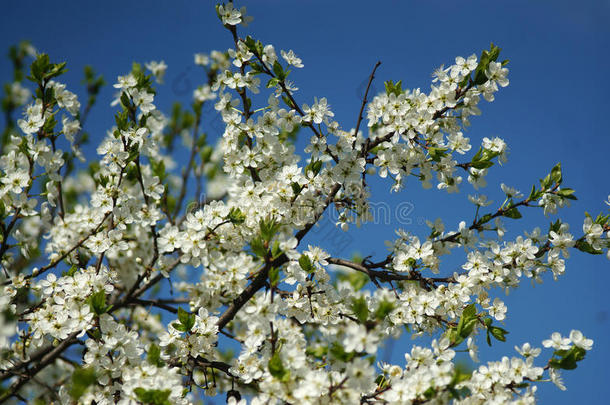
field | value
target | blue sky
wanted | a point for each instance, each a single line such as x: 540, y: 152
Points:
x: 555, y: 109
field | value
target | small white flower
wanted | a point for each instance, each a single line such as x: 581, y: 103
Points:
x: 557, y: 342
x: 579, y: 340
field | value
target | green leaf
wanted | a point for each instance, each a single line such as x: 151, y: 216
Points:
x: 482, y: 164
x: 55, y: 69
x: 154, y: 356
x: 356, y: 279
x: 391, y: 88
x: 602, y: 219
x: 49, y: 124
x: 296, y: 188
x: 277, y: 369
x: 460, y: 375
x: 256, y: 68
x: 143, y: 120
x: 236, y: 216
x: 187, y: 320
x: 464, y: 81
x: 268, y: 227
x: 258, y: 247
x: 556, y: 173
x: 73, y: 269
x: 567, y: 193
x: 158, y: 168
x: 317, y: 351
x: 274, y: 276
x: 306, y: 264
x: 568, y: 358
x: 179, y: 327
x: 276, y: 250
x: 39, y: 67
x: 555, y: 226
x: 437, y: 153
x: 97, y: 302
x: 467, y: 321
x: 513, y: 213
x: 534, y: 194
x: 288, y: 101
x: 454, y: 337
x: 122, y: 120
x: 280, y: 73
x: 468, y: 328
x: 584, y: 246
x: 489, y: 154
x: 478, y: 155
x: 546, y: 183
x: 383, y: 310
x: 498, y: 333
x: 485, y: 219
x: 470, y: 311
x: 82, y: 378
x: 361, y: 309
x: 250, y: 44
x: 486, y: 57
x: 153, y: 397
x: 256, y: 47
x: 314, y: 166
x: 339, y: 353
x: 182, y: 316
x: 206, y: 153
x: 191, y: 322
x: 272, y: 82
x: 125, y: 100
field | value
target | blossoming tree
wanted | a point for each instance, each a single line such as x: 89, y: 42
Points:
x: 86, y: 244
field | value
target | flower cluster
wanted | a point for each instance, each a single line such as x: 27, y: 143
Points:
x: 170, y: 297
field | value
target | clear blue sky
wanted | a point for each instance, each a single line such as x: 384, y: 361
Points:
x: 555, y: 109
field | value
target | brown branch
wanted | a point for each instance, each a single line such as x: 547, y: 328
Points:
x: 186, y: 171
x: 64, y: 255
x: 364, y: 100
x: 49, y: 357
x: 261, y: 277
x: 388, y: 276
x: 154, y: 303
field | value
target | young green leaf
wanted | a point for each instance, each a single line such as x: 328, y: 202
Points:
x: 153, y: 397
x: 82, y: 378
x: 361, y: 309
x: 274, y: 276
x: 277, y: 369
x: 306, y: 264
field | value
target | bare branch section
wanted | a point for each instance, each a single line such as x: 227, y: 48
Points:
x: 365, y: 99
